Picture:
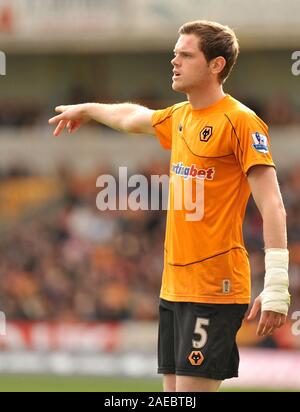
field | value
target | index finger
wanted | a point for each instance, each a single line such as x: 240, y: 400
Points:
x: 55, y: 119
x: 262, y: 323
x: 61, y: 108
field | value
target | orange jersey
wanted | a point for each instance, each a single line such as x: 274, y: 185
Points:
x: 212, y: 150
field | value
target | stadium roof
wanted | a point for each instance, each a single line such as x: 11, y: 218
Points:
x: 123, y: 25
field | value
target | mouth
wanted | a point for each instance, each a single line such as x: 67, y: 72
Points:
x: 175, y: 75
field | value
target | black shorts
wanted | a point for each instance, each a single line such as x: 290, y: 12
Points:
x: 199, y: 339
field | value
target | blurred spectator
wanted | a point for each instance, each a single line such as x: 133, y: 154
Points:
x: 68, y: 261
x: 280, y: 111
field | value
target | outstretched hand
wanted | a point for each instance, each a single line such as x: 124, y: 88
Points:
x: 268, y: 322
x: 71, y: 117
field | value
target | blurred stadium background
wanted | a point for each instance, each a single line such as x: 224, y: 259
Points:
x: 80, y: 287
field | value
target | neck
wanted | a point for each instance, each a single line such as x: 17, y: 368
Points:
x: 205, y: 98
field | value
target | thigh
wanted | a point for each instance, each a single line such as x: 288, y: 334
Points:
x: 206, y: 339
x: 169, y: 383
x: 196, y: 384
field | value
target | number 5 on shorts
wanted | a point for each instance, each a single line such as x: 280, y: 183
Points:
x: 199, y: 330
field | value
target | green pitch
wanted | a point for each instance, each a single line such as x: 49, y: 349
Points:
x: 49, y: 383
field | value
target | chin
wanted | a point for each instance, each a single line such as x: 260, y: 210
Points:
x: 178, y: 88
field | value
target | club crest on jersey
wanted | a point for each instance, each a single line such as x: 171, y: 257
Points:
x: 206, y: 133
x: 196, y: 358
x: 260, y: 142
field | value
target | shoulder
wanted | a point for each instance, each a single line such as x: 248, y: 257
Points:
x: 167, y: 113
x: 237, y: 113
x: 181, y: 106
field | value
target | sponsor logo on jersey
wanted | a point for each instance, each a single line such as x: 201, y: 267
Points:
x: 192, y: 171
x: 260, y: 142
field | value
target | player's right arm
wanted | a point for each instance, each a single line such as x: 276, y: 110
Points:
x: 125, y: 117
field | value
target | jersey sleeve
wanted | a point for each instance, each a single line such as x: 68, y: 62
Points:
x: 162, y: 123
x: 250, y: 141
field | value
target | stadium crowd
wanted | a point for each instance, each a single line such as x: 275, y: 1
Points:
x: 69, y: 261
x: 279, y: 110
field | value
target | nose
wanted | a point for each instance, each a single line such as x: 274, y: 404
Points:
x: 174, y: 61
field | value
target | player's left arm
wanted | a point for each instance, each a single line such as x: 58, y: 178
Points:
x: 274, y: 300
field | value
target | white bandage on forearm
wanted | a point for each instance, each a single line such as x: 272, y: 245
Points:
x: 275, y: 296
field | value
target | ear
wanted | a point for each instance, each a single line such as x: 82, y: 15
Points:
x: 217, y: 64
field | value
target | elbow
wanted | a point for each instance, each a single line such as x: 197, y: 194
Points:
x: 132, y: 129
x: 129, y: 127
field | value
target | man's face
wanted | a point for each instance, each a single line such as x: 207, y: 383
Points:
x: 191, y: 69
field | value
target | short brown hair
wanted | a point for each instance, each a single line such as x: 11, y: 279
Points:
x: 215, y: 40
